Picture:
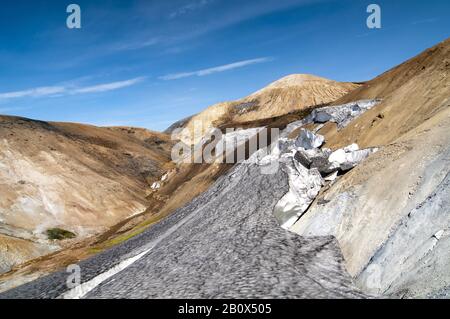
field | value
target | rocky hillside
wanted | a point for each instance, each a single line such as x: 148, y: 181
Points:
x: 372, y: 170
x: 351, y: 200
x: 292, y: 93
x: 70, y: 177
x: 391, y: 214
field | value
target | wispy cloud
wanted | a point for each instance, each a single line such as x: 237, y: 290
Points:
x: 51, y: 91
x: 136, y: 45
x: 217, y: 69
x: 194, y: 5
x: 36, y: 92
x: 108, y: 86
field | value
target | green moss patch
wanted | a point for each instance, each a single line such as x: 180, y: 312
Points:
x: 59, y: 234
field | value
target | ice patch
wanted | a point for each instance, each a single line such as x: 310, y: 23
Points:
x: 343, y: 114
x: 304, y: 186
x: 308, y: 140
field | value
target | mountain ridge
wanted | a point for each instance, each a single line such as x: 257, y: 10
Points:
x: 290, y: 93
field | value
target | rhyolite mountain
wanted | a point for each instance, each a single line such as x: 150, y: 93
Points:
x: 358, y: 205
x: 291, y: 93
x: 73, y: 177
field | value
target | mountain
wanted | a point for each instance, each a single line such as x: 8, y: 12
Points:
x: 390, y: 215
x: 292, y: 93
x: 352, y: 201
x: 73, y: 177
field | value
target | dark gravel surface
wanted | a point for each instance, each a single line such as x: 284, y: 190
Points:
x: 224, y: 244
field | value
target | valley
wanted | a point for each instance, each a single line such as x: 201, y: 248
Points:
x: 351, y: 200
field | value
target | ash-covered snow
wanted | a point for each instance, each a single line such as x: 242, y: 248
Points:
x: 343, y: 114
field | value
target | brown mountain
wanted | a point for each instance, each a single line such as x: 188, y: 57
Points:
x: 394, y: 203
x: 75, y: 177
x: 291, y: 93
x: 376, y: 211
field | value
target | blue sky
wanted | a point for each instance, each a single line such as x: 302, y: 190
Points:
x: 149, y: 63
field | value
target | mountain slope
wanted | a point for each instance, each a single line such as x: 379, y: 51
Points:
x: 181, y: 185
x: 412, y: 93
x: 292, y: 93
x: 389, y: 215
x: 75, y: 177
x: 220, y: 245
x: 382, y: 241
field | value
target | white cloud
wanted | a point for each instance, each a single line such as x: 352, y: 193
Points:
x: 108, y: 86
x: 50, y: 91
x: 36, y: 92
x: 217, y: 69
x: 129, y: 46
